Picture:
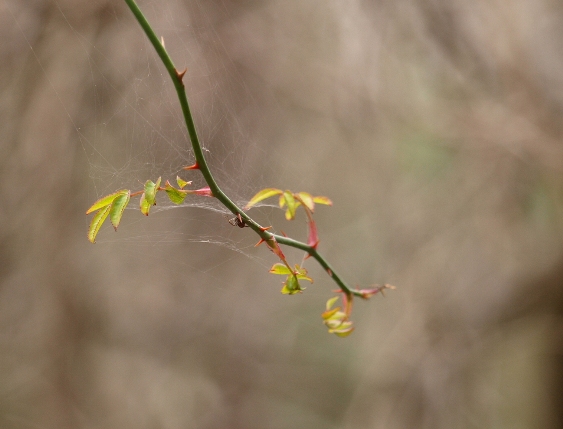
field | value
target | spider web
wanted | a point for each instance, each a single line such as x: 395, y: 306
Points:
x: 135, y: 130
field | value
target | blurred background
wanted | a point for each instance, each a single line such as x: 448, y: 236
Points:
x: 435, y: 127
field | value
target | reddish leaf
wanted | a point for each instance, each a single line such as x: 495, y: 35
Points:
x: 313, y: 239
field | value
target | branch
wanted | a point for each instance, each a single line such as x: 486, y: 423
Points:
x: 201, y: 163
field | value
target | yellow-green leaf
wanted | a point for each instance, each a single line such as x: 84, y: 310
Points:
x: 97, y: 222
x: 106, y: 201
x: 177, y: 196
x: 148, y: 198
x: 144, y: 205
x: 331, y: 302
x: 291, y: 286
x: 118, y: 207
x: 280, y: 269
x: 150, y: 191
x: 262, y: 195
x: 307, y: 200
x: 322, y: 200
x: 291, y: 205
x: 343, y: 331
x: 181, y: 183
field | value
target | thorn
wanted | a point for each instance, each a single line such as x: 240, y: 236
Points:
x: 329, y: 271
x: 181, y: 74
x: 162, y: 42
x: 260, y: 242
x: 192, y: 167
x: 265, y: 228
x: 283, y: 233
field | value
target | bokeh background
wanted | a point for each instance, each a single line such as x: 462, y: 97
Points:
x: 435, y: 126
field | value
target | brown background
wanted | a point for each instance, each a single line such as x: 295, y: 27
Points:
x: 435, y: 127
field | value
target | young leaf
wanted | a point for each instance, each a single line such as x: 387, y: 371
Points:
x: 177, y: 196
x: 307, y: 200
x: 322, y: 200
x: 331, y: 302
x: 301, y: 274
x: 291, y: 286
x: 97, y: 222
x: 262, y: 195
x: 118, y: 207
x: 291, y: 205
x: 181, y: 183
x: 150, y: 191
x: 144, y: 205
x: 148, y: 198
x: 280, y: 269
x: 105, y: 201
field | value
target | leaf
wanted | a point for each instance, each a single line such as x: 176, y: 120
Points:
x: 97, y: 222
x: 262, y: 195
x: 182, y: 183
x: 144, y: 205
x: 291, y: 286
x: 329, y: 313
x: 150, y: 191
x: 118, y: 207
x: 322, y: 200
x: 301, y: 274
x: 280, y: 269
x: 291, y: 205
x: 148, y: 198
x: 307, y: 200
x: 177, y: 196
x: 105, y: 201
x: 331, y: 302
x: 343, y: 331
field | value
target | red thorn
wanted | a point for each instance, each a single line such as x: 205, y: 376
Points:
x: 329, y: 271
x: 181, y: 74
x: 259, y: 243
x: 192, y: 167
x: 283, y: 233
x: 265, y: 228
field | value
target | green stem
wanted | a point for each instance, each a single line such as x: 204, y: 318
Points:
x: 202, y: 163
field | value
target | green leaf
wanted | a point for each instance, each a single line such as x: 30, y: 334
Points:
x: 291, y: 286
x: 322, y: 200
x: 97, y: 222
x: 181, y: 183
x: 262, y: 195
x: 148, y: 198
x: 280, y: 269
x: 307, y: 200
x: 150, y: 191
x: 177, y: 196
x: 105, y: 201
x: 118, y: 207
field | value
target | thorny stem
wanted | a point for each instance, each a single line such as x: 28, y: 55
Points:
x: 201, y: 163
